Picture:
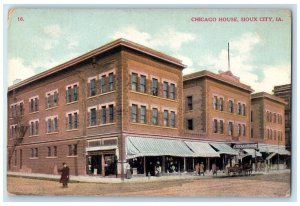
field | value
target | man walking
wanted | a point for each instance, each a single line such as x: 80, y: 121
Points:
x: 65, y: 172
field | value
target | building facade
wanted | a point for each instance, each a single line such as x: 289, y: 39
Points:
x: 285, y: 92
x: 81, y: 112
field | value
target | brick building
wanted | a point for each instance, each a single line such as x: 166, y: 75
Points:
x: 217, y: 109
x: 284, y: 92
x: 268, y: 128
x: 82, y: 111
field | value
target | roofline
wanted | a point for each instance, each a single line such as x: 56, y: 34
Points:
x: 268, y: 96
x: 97, y: 51
x: 205, y: 73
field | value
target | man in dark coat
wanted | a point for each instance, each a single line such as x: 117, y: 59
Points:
x: 65, y: 173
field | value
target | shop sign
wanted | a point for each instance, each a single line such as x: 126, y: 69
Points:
x: 245, y: 146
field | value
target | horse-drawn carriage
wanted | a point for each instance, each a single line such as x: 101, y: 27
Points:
x: 245, y: 169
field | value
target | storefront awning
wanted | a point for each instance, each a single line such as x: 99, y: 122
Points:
x: 224, y: 148
x: 278, y: 149
x: 253, y: 152
x: 147, y: 146
x: 202, y: 149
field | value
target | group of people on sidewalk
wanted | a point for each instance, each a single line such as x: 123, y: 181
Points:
x: 200, y: 169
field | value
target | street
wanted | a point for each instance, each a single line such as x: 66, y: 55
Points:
x: 271, y: 185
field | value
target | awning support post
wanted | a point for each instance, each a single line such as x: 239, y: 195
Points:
x: 163, y: 166
x: 184, y: 164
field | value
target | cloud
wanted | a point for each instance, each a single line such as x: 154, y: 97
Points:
x: 167, y: 38
x: 241, y: 64
x: 53, y: 31
x: 188, y: 62
x: 17, y: 70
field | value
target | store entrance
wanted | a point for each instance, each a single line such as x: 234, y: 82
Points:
x: 100, y: 163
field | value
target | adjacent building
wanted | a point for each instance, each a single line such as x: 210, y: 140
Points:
x: 284, y: 92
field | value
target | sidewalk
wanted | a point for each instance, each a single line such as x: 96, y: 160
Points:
x: 110, y: 180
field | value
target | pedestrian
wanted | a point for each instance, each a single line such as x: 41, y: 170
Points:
x: 214, y: 168
x: 201, y: 168
x: 197, y: 168
x: 65, y: 175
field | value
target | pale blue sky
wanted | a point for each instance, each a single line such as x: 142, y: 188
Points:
x: 260, y: 51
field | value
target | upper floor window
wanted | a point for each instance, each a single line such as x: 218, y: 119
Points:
x: 239, y: 130
x: 103, y: 84
x: 72, y: 120
x: 166, y: 118
x: 230, y: 128
x: 215, y: 126
x: 274, y: 118
x: 190, y: 103
x: 103, y: 115
x: 93, y: 87
x: 111, y: 113
x: 111, y: 81
x: 244, y: 110
x: 33, y: 127
x: 134, y: 109
x: 215, y: 103
x: 52, y: 124
x: 17, y: 109
x: 143, y: 84
x: 270, y: 117
x: 93, y: 116
x: 143, y: 115
x: 172, y: 91
x: 251, y: 132
x: 154, y: 116
x: 251, y: 116
x: 165, y: 89
x: 190, y: 125
x: 154, y: 87
x: 275, y: 135
x: 239, y: 108
x: 72, y: 150
x: 221, y: 104
x: 244, y: 130
x: 172, y: 123
x: 34, y: 153
x: 230, y: 106
x: 221, y: 126
x: 34, y: 104
x: 134, y: 77
x: 52, y: 99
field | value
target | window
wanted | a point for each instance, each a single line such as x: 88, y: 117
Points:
x: 134, y: 81
x: 102, y: 84
x: 111, y: 113
x: 70, y: 122
x: 239, y: 109
x: 75, y: 120
x: 31, y: 128
x: 274, y: 118
x: 154, y: 116
x: 103, y: 114
x: 268, y: 134
x: 244, y: 130
x: 230, y: 106
x: 154, y: 87
x: 49, y: 126
x: 36, y: 127
x: 173, y: 119
x: 48, y: 100
x: 165, y: 89
x: 134, y: 113
x: 93, y: 117
x: 55, y: 124
x: 215, y: 104
x: 143, y: 114
x: 172, y: 91
x: 55, y: 98
x: 230, y: 128
x: 72, y: 149
x: 21, y: 108
x: 75, y: 92
x: 69, y: 94
x: 190, y: 103
x: 32, y: 105
x: 111, y: 81
x: 239, y: 130
x: 275, y: 135
x: 215, y: 126
x: 244, y: 110
x: 49, y: 152
x: 251, y: 116
x: 270, y: 117
x: 221, y: 126
x: 143, y: 84
x: 221, y: 104
x: 93, y: 87
x: 166, y: 118
x: 55, y: 151
x: 271, y: 133
x: 190, y: 125
x: 251, y: 132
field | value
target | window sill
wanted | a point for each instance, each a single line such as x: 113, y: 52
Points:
x: 51, y: 157
x: 33, y: 158
x: 52, y: 133
x: 34, y: 135
x: 101, y: 125
x: 189, y: 110
x: 68, y: 103
x: 34, y: 112
x: 152, y: 125
x: 51, y: 108
x: 146, y: 94
x: 98, y: 95
x: 71, y: 130
x: 72, y: 156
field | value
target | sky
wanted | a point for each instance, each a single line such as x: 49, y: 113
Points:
x: 260, y: 51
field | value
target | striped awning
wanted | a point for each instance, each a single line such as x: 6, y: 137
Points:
x: 147, y: 146
x: 202, y: 149
x: 278, y: 149
x: 223, y: 148
x: 253, y: 152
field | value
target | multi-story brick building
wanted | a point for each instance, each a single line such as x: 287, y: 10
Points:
x: 284, y: 92
x: 268, y: 129
x: 217, y: 108
x: 83, y: 111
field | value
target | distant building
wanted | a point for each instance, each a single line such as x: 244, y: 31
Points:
x: 284, y: 92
